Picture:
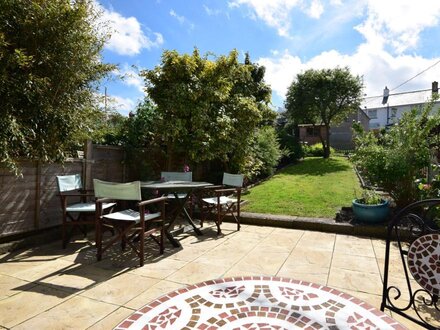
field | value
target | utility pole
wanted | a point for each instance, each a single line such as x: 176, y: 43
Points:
x: 386, y: 94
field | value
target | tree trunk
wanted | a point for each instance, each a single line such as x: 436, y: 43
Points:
x: 326, y: 142
x: 169, y: 155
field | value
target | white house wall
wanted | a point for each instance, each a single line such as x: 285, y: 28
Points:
x: 381, y: 120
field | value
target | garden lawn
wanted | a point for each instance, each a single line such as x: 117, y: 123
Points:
x: 315, y: 187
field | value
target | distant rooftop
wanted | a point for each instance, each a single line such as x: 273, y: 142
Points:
x: 398, y: 99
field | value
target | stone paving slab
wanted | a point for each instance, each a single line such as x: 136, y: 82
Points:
x: 48, y: 287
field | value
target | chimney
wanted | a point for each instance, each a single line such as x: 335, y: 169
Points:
x: 434, y: 87
x: 386, y: 93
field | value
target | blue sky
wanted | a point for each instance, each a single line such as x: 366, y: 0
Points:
x: 385, y: 41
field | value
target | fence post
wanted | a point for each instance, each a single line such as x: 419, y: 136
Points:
x: 124, y: 166
x: 37, y: 195
x: 87, y: 167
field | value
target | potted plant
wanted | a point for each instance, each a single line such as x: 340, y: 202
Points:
x: 371, y: 207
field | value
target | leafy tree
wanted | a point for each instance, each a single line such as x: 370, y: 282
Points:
x: 50, y: 66
x: 323, y: 97
x: 142, y: 140
x: 207, y: 109
x: 110, y: 129
x: 265, y: 155
x: 257, y: 88
x: 141, y: 132
x: 394, y: 159
x: 289, y: 143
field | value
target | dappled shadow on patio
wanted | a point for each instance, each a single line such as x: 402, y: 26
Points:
x: 71, y: 289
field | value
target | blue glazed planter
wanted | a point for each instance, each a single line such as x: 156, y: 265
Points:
x: 370, y: 213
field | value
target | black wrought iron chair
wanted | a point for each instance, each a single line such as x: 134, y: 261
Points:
x: 411, y: 286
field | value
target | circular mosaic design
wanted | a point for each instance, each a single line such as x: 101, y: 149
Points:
x: 258, y: 302
x: 424, y: 262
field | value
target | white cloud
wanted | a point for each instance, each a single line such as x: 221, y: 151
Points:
x: 398, y: 23
x: 277, y: 13
x: 127, y: 35
x: 211, y: 12
x: 130, y: 77
x: 390, y: 30
x: 377, y: 67
x: 182, y: 19
x: 280, y: 71
x: 316, y: 9
x: 121, y: 104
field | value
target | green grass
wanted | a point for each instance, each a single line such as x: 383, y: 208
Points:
x: 315, y: 187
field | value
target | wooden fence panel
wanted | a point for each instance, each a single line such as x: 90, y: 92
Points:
x: 108, y: 163
x: 31, y: 202
x: 17, y: 199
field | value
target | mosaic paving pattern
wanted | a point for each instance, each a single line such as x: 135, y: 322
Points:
x: 256, y: 302
x: 424, y: 262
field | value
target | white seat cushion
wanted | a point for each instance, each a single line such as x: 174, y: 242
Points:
x: 179, y: 196
x: 130, y: 215
x: 86, y: 207
x: 223, y: 200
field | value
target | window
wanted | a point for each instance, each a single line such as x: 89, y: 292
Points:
x: 313, y: 131
x: 372, y: 114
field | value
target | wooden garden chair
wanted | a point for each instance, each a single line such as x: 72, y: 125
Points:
x: 132, y: 225
x: 77, y: 205
x: 223, y: 200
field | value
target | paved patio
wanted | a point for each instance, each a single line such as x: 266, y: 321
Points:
x: 51, y: 288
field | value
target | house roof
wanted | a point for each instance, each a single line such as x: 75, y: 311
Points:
x: 398, y: 99
x: 310, y: 125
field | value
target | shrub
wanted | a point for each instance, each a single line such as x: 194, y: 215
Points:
x: 292, y: 147
x: 315, y: 150
x: 395, y: 158
x: 265, y: 154
x: 370, y: 197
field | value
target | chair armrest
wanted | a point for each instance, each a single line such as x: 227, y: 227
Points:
x: 213, y: 187
x: 103, y: 200
x: 226, y: 190
x: 152, y: 201
x: 87, y: 191
x: 76, y: 194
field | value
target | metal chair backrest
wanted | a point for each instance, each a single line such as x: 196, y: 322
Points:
x: 122, y: 191
x: 410, y: 300
x: 235, y: 180
x: 176, y: 176
x: 69, y: 182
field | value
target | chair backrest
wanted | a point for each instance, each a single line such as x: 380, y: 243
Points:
x: 122, y: 191
x: 411, y: 233
x: 235, y: 180
x: 69, y: 182
x: 176, y: 176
